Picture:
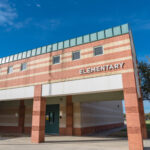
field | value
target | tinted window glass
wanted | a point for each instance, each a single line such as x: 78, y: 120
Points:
x: 56, y: 59
x: 23, y: 66
x: 98, y: 50
x: 76, y: 55
x: 10, y: 69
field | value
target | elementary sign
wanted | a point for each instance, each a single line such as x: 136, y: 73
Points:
x: 102, y: 68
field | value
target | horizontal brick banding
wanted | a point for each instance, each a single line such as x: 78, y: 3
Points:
x: 95, y: 129
x: 38, y: 128
x: 131, y: 109
x: 36, y: 113
x: 133, y: 114
x: 38, y: 98
x: 89, y: 130
x: 40, y: 69
x: 59, y: 75
x: 79, y: 47
x: 82, y: 62
x: 134, y: 130
x: 118, y: 46
x: 10, y: 129
x: 130, y: 90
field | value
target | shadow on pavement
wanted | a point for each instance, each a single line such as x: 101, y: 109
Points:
x: 147, y: 148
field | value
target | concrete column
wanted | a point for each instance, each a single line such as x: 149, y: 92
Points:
x: 38, y: 116
x: 69, y: 115
x: 142, y: 118
x: 135, y: 139
x: 21, y: 116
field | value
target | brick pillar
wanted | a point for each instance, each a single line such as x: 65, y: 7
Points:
x: 21, y: 116
x: 69, y: 115
x: 135, y: 139
x: 142, y: 118
x: 38, y: 116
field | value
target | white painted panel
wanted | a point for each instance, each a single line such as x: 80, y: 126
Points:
x: 90, y: 85
x: 17, y: 93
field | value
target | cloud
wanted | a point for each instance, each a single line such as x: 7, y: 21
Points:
x: 48, y: 24
x: 7, y: 14
x: 38, y: 5
x: 9, y: 18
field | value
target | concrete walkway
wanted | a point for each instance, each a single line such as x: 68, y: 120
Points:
x: 67, y: 143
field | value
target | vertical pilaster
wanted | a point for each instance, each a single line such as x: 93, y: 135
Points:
x: 21, y: 116
x: 69, y: 115
x: 142, y: 118
x: 135, y: 139
x: 38, y: 116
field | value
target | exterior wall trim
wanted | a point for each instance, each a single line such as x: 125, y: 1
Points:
x: 83, y: 86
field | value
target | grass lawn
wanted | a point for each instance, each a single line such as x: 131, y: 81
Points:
x: 148, y: 127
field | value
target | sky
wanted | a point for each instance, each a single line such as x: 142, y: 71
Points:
x: 28, y: 24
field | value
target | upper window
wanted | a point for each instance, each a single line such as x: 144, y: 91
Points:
x: 76, y: 55
x: 23, y: 66
x: 56, y: 59
x: 98, y: 50
x: 10, y: 69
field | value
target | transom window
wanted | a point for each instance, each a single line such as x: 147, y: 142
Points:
x: 10, y: 69
x: 76, y: 55
x: 23, y: 66
x: 98, y: 50
x: 56, y: 59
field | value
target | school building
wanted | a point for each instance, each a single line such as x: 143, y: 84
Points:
x: 74, y: 87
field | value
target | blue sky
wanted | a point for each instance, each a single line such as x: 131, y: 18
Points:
x: 27, y: 24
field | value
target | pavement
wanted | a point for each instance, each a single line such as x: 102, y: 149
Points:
x: 90, y: 142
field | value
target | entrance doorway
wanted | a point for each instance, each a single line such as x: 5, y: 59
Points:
x: 52, y: 119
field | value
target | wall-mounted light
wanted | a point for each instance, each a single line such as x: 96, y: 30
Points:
x: 16, y: 114
x: 60, y: 114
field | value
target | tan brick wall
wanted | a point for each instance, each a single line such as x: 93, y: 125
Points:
x: 9, y: 113
x: 101, y: 113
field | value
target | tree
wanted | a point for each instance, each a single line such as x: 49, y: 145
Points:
x: 144, y: 73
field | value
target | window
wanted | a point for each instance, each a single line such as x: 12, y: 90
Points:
x: 33, y: 52
x: 56, y: 59
x: 10, y: 69
x: 76, y: 55
x: 11, y: 58
x: 24, y: 54
x: 28, y: 53
x: 98, y: 50
x: 15, y: 57
x: 23, y: 66
x: 19, y: 56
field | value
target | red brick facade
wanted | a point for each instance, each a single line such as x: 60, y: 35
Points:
x: 69, y: 117
x: 21, y: 116
x: 43, y: 72
x: 38, y: 116
x: 134, y: 128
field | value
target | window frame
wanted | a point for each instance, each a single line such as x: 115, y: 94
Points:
x: 21, y: 67
x: 55, y: 57
x: 97, y: 47
x: 77, y: 58
x: 8, y: 70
